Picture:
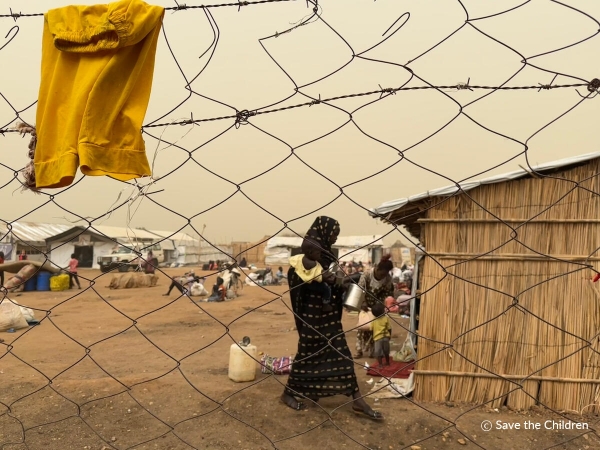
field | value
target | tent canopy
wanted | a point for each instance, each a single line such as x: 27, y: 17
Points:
x: 278, y: 248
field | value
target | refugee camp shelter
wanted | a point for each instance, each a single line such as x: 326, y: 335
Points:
x: 347, y: 248
x: 180, y: 248
x: 28, y: 236
x: 90, y: 243
x: 365, y: 249
x: 505, y: 292
x: 279, y: 249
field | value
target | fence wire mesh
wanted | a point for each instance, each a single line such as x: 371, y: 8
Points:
x: 152, y: 372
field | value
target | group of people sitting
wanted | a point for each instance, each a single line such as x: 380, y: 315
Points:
x: 192, y: 285
x: 264, y: 277
x: 352, y: 267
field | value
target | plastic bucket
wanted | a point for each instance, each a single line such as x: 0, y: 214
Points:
x: 43, y: 281
x: 31, y: 284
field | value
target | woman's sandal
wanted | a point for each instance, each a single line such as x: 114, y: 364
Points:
x: 292, y: 403
x: 371, y: 414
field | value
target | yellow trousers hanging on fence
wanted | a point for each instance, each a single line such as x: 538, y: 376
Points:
x: 97, y: 70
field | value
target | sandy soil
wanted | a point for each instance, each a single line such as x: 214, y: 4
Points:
x: 134, y: 369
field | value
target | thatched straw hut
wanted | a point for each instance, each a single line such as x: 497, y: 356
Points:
x: 508, y: 314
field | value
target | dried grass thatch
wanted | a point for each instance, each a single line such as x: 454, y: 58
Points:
x: 520, y: 325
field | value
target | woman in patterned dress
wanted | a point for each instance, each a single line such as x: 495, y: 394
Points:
x: 323, y: 365
x: 377, y: 282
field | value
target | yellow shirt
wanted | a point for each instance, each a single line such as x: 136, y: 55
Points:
x: 96, y: 77
x: 314, y: 274
x: 381, y: 328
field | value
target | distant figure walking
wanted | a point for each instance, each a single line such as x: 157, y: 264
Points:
x: 73, y: 264
x: 23, y: 256
x: 150, y: 264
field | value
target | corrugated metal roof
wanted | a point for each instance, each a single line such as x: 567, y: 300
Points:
x: 177, y: 238
x: 39, y: 232
x: 388, y: 207
x: 33, y: 232
x: 125, y: 234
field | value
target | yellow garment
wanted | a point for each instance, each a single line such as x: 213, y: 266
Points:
x: 97, y: 70
x: 314, y: 274
x: 381, y: 328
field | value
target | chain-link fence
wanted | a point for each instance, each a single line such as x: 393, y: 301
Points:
x: 502, y: 301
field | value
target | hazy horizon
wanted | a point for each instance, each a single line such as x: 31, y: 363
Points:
x: 242, y: 75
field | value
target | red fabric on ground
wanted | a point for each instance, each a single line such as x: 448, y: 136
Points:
x: 396, y: 369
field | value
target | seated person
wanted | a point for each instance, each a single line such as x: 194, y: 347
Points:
x: 219, y: 293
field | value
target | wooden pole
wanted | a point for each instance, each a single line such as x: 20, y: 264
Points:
x: 508, y: 377
x: 514, y: 256
x: 499, y: 221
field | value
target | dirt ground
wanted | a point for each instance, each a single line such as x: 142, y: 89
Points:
x: 135, y: 369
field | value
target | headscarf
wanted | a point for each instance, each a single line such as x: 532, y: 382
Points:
x: 322, y: 231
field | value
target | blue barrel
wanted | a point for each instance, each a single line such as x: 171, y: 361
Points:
x: 43, y: 281
x: 31, y: 284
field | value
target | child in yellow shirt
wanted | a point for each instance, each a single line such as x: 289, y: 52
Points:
x: 310, y: 271
x: 382, y: 332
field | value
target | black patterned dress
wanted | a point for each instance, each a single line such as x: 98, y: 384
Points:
x: 323, y: 364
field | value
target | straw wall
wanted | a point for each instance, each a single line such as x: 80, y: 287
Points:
x: 397, y: 258
x: 513, y: 313
x: 254, y: 252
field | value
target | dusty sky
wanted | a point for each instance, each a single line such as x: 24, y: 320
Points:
x: 242, y: 75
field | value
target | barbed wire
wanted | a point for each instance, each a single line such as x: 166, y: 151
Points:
x: 243, y: 116
x: 216, y: 400
x: 176, y: 8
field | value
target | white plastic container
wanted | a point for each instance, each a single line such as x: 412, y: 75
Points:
x: 242, y: 367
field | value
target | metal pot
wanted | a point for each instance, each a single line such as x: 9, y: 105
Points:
x: 355, y: 297
x: 339, y: 274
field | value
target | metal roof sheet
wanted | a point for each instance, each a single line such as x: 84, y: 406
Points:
x: 122, y: 233
x: 32, y: 231
x: 179, y: 238
x: 39, y: 232
x: 393, y: 205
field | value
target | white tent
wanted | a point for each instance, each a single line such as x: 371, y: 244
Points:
x: 28, y: 236
x: 91, y: 243
x: 60, y: 253
x: 358, y: 248
x: 180, y: 248
x: 279, y: 249
x: 101, y: 240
